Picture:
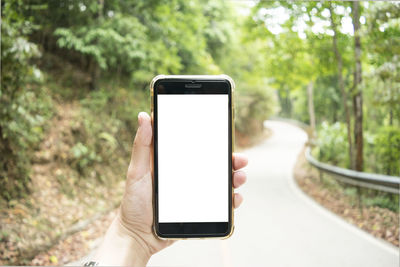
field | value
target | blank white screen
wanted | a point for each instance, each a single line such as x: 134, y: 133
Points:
x: 193, y: 158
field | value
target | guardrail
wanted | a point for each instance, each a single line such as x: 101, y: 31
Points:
x: 380, y: 182
x: 386, y: 183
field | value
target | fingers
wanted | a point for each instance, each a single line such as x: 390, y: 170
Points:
x: 239, y: 161
x: 237, y: 200
x: 239, y: 178
x: 141, y: 152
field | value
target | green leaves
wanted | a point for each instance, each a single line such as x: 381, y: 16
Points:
x: 387, y: 147
x: 116, y: 42
x: 83, y: 157
x: 24, y: 104
x: 332, y: 144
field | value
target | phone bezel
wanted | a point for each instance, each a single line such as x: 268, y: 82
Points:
x: 183, y: 230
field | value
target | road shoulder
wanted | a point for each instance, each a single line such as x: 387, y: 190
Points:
x: 376, y: 224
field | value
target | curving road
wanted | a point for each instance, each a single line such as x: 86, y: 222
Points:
x: 278, y: 225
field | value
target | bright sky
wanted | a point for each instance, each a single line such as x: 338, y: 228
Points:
x: 275, y: 17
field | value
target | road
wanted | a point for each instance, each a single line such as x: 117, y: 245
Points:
x: 278, y: 225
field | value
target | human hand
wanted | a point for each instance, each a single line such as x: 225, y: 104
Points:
x: 135, y: 217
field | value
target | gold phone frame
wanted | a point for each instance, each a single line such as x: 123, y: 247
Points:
x: 195, y: 77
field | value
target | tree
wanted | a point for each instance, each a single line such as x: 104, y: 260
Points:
x: 339, y: 63
x: 383, y: 38
x: 357, y: 91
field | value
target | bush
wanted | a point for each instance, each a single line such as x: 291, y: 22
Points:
x: 83, y: 157
x: 24, y: 105
x: 254, y: 104
x: 104, y: 127
x: 383, y: 200
x: 387, y: 150
x: 120, y: 104
x: 332, y: 144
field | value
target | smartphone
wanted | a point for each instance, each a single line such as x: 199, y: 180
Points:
x: 192, y: 161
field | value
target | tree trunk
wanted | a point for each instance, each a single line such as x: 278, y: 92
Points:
x: 101, y: 8
x: 283, y: 95
x: 94, y: 66
x: 357, y: 96
x: 94, y: 75
x: 311, y: 110
x: 339, y: 62
x: 288, y: 103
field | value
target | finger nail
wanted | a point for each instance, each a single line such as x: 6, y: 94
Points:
x: 140, y: 118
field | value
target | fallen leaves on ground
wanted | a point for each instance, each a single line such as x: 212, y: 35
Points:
x: 77, y: 245
x: 380, y: 222
x: 60, y: 198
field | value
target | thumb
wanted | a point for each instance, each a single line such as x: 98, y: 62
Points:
x: 141, y: 152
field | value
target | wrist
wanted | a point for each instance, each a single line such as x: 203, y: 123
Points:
x: 135, y: 237
x: 122, y: 247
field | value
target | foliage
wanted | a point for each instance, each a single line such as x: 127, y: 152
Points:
x: 332, y: 143
x: 383, y: 200
x: 110, y: 46
x: 116, y: 47
x: 255, y: 99
x: 254, y: 105
x: 382, y: 148
x: 83, y: 157
x: 103, y: 128
x: 24, y: 104
x: 136, y: 40
x: 326, y: 98
x: 118, y: 42
x: 381, y: 87
x: 387, y: 147
x: 298, y: 50
x: 120, y: 104
x: 383, y: 31
x: 99, y: 56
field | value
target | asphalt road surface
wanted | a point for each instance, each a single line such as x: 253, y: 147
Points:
x: 278, y: 225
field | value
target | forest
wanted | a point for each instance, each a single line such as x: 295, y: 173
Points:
x: 345, y: 55
x: 75, y: 74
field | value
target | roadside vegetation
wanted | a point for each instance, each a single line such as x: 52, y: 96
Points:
x: 75, y: 74
x: 374, y: 212
x: 336, y: 67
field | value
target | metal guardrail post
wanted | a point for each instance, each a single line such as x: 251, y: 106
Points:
x: 359, y: 200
